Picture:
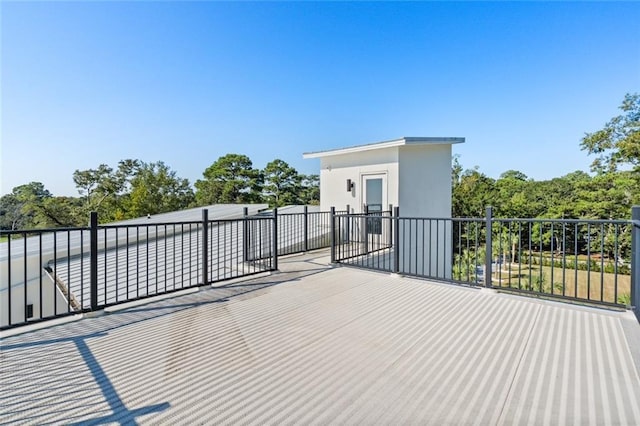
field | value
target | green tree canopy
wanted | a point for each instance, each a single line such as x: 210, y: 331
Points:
x: 231, y: 179
x: 30, y: 198
x: 514, y: 174
x: 20, y: 208
x: 155, y: 188
x: 310, y: 189
x: 103, y: 188
x: 11, y: 217
x: 618, y: 143
x: 511, y: 198
x: 282, y: 184
x: 31, y: 206
x: 62, y: 212
x: 472, y: 193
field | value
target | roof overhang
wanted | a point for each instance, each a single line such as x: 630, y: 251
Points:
x: 385, y: 144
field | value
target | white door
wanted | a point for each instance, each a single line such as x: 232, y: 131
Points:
x: 374, y: 197
x: 374, y: 192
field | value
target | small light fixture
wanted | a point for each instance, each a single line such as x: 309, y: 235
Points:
x: 349, y: 185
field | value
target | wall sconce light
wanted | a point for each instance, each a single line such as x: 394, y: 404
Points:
x: 349, y: 185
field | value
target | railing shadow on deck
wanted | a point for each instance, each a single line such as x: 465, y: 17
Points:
x: 76, y: 388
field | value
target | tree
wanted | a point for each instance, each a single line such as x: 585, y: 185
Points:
x: 282, y: 184
x: 62, y: 212
x: 103, y: 188
x: 456, y: 170
x: 618, y: 143
x: 31, y: 206
x: 155, y: 188
x: 92, y: 183
x: 310, y: 189
x: 472, y: 193
x: 511, y: 194
x: 514, y: 175
x: 11, y: 216
x: 231, y: 179
x: 30, y: 198
x: 563, y: 197
x: 606, y: 196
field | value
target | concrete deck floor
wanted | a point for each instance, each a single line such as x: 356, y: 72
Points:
x: 320, y: 345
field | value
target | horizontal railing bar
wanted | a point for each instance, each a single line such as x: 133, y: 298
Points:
x: 572, y: 221
x: 481, y: 220
x: 554, y: 296
x: 364, y: 255
x: 35, y: 232
x: 48, y: 318
x: 150, y: 225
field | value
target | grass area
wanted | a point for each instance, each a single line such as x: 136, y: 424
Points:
x: 595, y: 255
x: 597, y: 286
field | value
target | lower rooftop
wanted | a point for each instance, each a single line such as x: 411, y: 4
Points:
x: 319, y: 345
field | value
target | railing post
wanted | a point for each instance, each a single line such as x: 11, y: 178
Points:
x: 396, y: 240
x: 366, y: 229
x: 347, y: 230
x: 635, y: 260
x: 93, y: 259
x: 306, y: 228
x: 332, y: 236
x: 205, y: 246
x: 275, y: 240
x: 245, y: 234
x: 489, y: 252
x: 390, y: 224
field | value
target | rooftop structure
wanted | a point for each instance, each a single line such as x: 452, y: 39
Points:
x: 411, y: 173
x: 321, y: 345
x: 404, y: 141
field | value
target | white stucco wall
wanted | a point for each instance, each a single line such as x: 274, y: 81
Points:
x: 425, y: 192
x: 17, y: 294
x: 418, y: 180
x: 425, y: 181
x: 335, y: 170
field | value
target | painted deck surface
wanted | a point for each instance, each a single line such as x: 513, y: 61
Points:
x: 319, y: 345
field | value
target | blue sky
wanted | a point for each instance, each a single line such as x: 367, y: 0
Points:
x: 185, y: 83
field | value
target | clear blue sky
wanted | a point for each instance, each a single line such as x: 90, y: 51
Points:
x: 85, y: 83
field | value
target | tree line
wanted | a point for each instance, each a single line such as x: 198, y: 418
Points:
x: 135, y: 188
x: 607, y: 193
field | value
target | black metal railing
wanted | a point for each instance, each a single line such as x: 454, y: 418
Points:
x: 50, y: 273
x: 64, y: 271
x: 364, y: 239
x: 297, y: 233
x: 583, y: 260
x: 56, y: 272
x: 425, y: 247
x: 30, y: 288
x: 300, y: 232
